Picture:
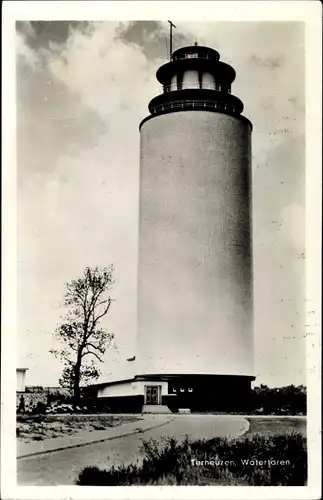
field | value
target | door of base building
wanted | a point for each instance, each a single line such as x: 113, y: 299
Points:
x: 152, y: 395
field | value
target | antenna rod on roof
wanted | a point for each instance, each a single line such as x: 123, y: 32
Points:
x: 171, y: 26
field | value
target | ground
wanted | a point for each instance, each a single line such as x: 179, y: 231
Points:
x: 63, y: 467
x: 266, y: 426
x: 68, y: 425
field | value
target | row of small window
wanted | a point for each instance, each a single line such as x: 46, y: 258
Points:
x: 193, y: 55
x: 182, y: 390
x: 202, y: 85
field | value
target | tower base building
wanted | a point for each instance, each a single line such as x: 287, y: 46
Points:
x: 195, y: 297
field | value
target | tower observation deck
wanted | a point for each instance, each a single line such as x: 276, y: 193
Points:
x: 194, y: 79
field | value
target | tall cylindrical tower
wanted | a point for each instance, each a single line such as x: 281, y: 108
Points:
x: 195, y: 313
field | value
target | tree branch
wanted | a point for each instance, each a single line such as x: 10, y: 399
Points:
x: 98, y: 348
x: 91, y: 308
x: 95, y: 321
x: 93, y: 353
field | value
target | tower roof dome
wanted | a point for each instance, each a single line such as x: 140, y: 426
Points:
x: 200, y: 51
x: 197, y: 58
x: 195, y: 78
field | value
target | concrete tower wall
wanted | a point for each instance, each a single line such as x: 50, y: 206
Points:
x: 195, y: 265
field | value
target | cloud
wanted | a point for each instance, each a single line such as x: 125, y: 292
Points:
x: 45, y: 34
x: 269, y: 62
x: 105, y: 88
x: 153, y: 37
x: 25, y: 54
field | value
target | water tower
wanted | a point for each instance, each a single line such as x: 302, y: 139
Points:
x: 195, y: 300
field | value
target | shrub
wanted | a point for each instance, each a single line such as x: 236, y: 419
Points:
x: 37, y: 438
x: 289, y: 400
x: 170, y: 462
x: 98, y: 427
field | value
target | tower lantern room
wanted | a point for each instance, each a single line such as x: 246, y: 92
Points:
x: 195, y: 78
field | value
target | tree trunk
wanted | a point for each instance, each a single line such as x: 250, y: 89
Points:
x: 77, y: 372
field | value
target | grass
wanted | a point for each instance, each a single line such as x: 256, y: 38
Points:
x: 32, y: 430
x: 169, y: 462
x: 268, y: 427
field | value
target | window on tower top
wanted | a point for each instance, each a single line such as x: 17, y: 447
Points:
x: 191, y: 56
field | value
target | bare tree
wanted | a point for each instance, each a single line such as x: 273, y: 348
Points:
x: 88, y: 301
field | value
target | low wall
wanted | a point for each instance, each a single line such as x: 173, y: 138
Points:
x: 75, y: 417
x: 37, y: 394
x: 31, y: 399
x: 53, y: 391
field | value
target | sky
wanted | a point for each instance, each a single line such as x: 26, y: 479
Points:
x: 82, y: 89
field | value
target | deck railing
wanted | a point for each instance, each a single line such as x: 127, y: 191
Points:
x: 196, y: 104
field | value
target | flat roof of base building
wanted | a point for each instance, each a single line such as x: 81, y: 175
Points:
x: 113, y: 382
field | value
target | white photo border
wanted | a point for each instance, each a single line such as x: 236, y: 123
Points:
x: 309, y: 12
